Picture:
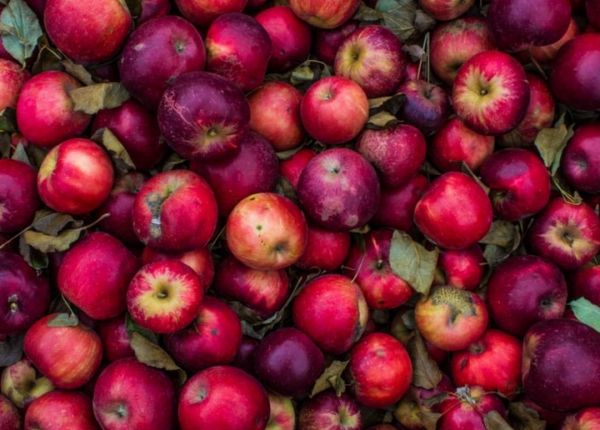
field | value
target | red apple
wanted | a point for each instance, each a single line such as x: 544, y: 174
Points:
x: 324, y: 13
x: 467, y: 408
x: 153, y: 9
x: 22, y: 385
x: 12, y: 78
x: 283, y: 415
x: 446, y: 10
x: 327, y: 411
x: 463, y: 268
x: 10, y: 419
x: 580, y: 161
x: 592, y: 8
x: 585, y: 419
x: 325, y: 250
x: 426, y: 105
x: 245, y: 355
x: 115, y: 339
x: 327, y: 42
x: 59, y: 410
x: 200, y: 260
x: 547, y: 53
x: 18, y: 195
x: 291, y: 168
x: 585, y: 282
x: 202, y: 12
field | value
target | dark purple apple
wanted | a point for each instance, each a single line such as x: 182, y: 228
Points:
x: 592, y: 8
x: 585, y: 282
x: 426, y: 105
x: 18, y: 195
x: 581, y: 159
x: 245, y: 355
x: 327, y: 411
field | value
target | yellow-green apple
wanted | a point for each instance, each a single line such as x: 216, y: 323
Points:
x: 10, y: 419
x: 213, y: 338
x: 283, y: 415
x: 206, y: 401
x: 446, y: 10
x: 199, y: 259
x: 397, y: 205
x: 18, y: 195
x: 68, y: 355
x: 131, y: 395
x: 167, y: 202
x: 462, y: 268
x: 153, y: 9
x: 46, y: 114
x: 12, y: 78
x: 372, y: 57
x: 266, y: 231
x: 580, y: 162
x: 450, y: 222
x: 291, y: 168
x: 227, y: 53
x: 546, y: 54
x: 451, y: 318
x: 327, y: 42
x: 585, y: 282
x: 585, y: 419
x: 339, y: 190
x: 467, y: 408
x: 324, y: 13
x: 164, y: 296
x: 275, y: 114
x: 524, y: 290
x: 75, y: 177
x: 426, y: 105
x: 381, y: 370
x: 115, y: 338
x: 334, y: 110
x: 327, y: 411
x: 325, y: 249
x: 202, y: 12
x: 22, y: 385
x: 59, y: 410
x: 203, y: 116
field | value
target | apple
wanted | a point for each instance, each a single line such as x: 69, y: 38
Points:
x: 491, y: 93
x: 12, y: 78
x: 327, y: 411
x: 156, y: 53
x: 324, y: 13
x: 372, y: 56
x: 246, y: 353
x: 566, y: 234
x: 519, y: 183
x: 21, y: 385
x: 131, y: 395
x: 202, y: 12
x: 288, y: 362
x: 115, y: 338
x: 451, y: 318
x: 227, y: 42
x: 587, y: 418
x: 450, y: 222
x: 339, y: 190
x: 200, y: 260
x: 520, y: 23
x: 580, y: 162
x: 59, y: 410
x: 397, y: 205
x: 87, y: 31
x: 18, y: 195
x: 206, y: 401
x: 546, y: 54
x: 381, y: 370
x: 164, y: 296
x: 68, y: 356
x: 153, y: 9
x: 263, y: 291
x: 467, y: 409
x: 454, y: 42
x: 524, y: 290
x: 45, y: 112
x: 446, y: 10
x: 463, y: 268
x: 283, y: 415
x: 266, y: 231
x: 334, y: 110
x: 397, y: 152
x: 291, y: 168
x: 426, y: 105
x: 170, y: 200
x: 554, y: 344
x: 455, y: 143
x: 585, y: 282
x: 10, y: 419
x: 327, y: 42
x: 592, y: 8
x: 325, y: 250
x: 203, y: 116
x: 75, y: 177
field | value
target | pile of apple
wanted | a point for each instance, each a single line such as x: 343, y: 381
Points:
x: 313, y: 215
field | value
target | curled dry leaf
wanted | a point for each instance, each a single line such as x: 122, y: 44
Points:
x: 331, y: 378
x: 94, y: 98
x: 153, y: 355
x: 115, y: 148
x: 426, y: 373
x: 525, y: 418
x: 412, y: 262
x: 64, y: 320
x: 77, y: 71
x: 494, y: 421
x: 551, y: 143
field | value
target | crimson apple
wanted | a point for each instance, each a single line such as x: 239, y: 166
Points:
x: 546, y: 54
x: 397, y: 205
x: 327, y: 42
x: 18, y: 195
x: 585, y: 419
x: 283, y: 415
x: 580, y: 161
x: 467, y: 409
x: 202, y: 12
x: 10, y: 419
x: 200, y: 260
x: 291, y: 168
x: 463, y: 268
x: 12, y: 78
x: 327, y: 411
x: 585, y: 282
x: 115, y: 338
x: 59, y: 410
x: 324, y: 13
x: 446, y: 10
x: 325, y: 250
x: 22, y: 385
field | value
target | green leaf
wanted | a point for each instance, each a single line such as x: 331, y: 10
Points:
x: 20, y: 30
x: 367, y: 14
x: 36, y: 259
x: 309, y: 72
x: 284, y: 188
x: 399, y: 16
x: 586, y: 312
x: 412, y: 262
x: 153, y: 355
x: 426, y: 373
x: 94, y: 98
x: 135, y: 7
x: 383, y: 111
x: 77, y: 71
x: 551, y: 143
x: 525, y: 418
x: 115, y: 148
x: 52, y: 223
x: 64, y: 320
x: 20, y: 154
x: 8, y: 121
x: 331, y: 378
x: 48, y: 243
x: 494, y: 421
x: 173, y: 160
x: 501, y: 241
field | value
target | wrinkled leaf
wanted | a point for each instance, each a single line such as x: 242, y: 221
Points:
x: 423, y: 22
x: 309, y: 72
x: 8, y: 120
x: 429, y: 419
x: 365, y: 13
x: 494, y: 421
x: 551, y: 143
x: 284, y: 188
x: 381, y: 120
x: 20, y: 154
x: 173, y: 160
x: 48, y: 243
x: 36, y: 259
x: 153, y: 355
x: 525, y: 418
x: 115, y: 148
x: 403, y: 326
x: 135, y: 7
x: 20, y: 30
x: 94, y: 98
x: 586, y: 312
x: 132, y: 327
x: 64, y: 320
x: 426, y: 373
x: 412, y: 262
x: 11, y: 350
x: 383, y: 111
x: 399, y: 17
x: 77, y: 71
x: 502, y: 233
x: 331, y: 378
x: 52, y: 223
x: 47, y: 58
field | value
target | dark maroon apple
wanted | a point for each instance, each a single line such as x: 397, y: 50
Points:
x: 327, y: 411
x: 115, y: 338
x: 327, y: 42
x: 202, y: 12
x: 156, y: 54
x: 292, y: 168
x: 426, y: 105
x: 463, y: 268
x: 325, y: 250
x: 203, y: 116
x: 397, y: 205
x: 339, y: 190
x: 153, y: 9
x: 288, y: 362
x: 524, y: 290
x: 585, y: 282
x: 245, y: 356
x: 59, y: 410
x: 12, y: 78
x: 10, y: 419
x: 18, y: 195
x: 580, y: 161
x: 592, y: 8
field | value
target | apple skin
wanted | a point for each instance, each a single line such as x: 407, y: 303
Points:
x: 68, y: 356
x: 202, y: 12
x: 467, y: 409
x: 381, y: 369
x: 327, y: 42
x: 12, y: 78
x: 551, y: 345
x: 520, y: 23
x: 203, y: 116
x: 18, y: 195
x: 75, y: 177
x: 153, y: 9
x: 200, y: 260
x: 451, y: 318
x: 238, y: 48
x: 21, y: 385
x: 426, y: 105
x: 524, y: 290
x: 263, y: 291
x: 246, y: 353
x: 206, y: 399
x: 397, y: 152
x: 566, y: 234
x: 463, y: 268
x: 59, y: 410
x: 455, y: 143
x: 372, y: 57
x: 325, y: 250
x: 339, y: 190
x: 290, y: 37
x: 283, y: 415
x: 580, y: 162
x: 291, y: 168
x: 45, y: 112
x: 164, y: 296
x: 452, y: 223
x: 325, y: 14
x: 327, y: 411
x: 446, y: 10
x: 574, y: 78
x: 397, y: 205
x: 334, y: 110
x: 131, y: 395
x: 585, y: 419
x: 585, y: 282
x: 519, y: 183
x: 87, y: 31
x: 370, y: 268
x: 289, y: 362
x: 169, y: 200
x: 10, y: 419
x: 456, y: 41
x: 253, y: 169
x: 332, y: 310
x: 266, y: 231
x: 115, y: 338
x: 546, y: 54
x: 213, y: 338
x: 592, y: 8
x: 157, y: 52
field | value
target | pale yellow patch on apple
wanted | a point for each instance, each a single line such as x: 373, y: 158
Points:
x: 568, y: 238
x: 163, y: 295
x: 480, y: 94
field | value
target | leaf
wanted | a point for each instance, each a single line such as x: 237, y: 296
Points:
x: 429, y: 419
x: 153, y: 355
x: 5, y: 145
x: 551, y: 143
x: 47, y: 58
x: 284, y: 188
x: 8, y: 121
x: 586, y: 312
x: 426, y: 373
x: 20, y: 30
x: 494, y: 421
x: 94, y: 98
x: 36, y: 259
x: 309, y: 72
x: 135, y: 7
x: 399, y: 17
x: 64, y: 320
x: 412, y: 262
x: 52, y: 223
x: 77, y: 71
x: 132, y: 327
x: 383, y: 111
x: 173, y: 160
x: 115, y: 148
x: 502, y: 233
x: 21, y: 155
x: 11, y: 350
x: 367, y: 14
x: 331, y: 378
x: 48, y: 243
x: 527, y: 418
